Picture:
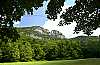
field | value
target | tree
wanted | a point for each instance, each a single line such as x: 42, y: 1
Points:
x: 9, y: 52
x: 0, y: 54
x: 12, y: 10
x: 25, y: 51
x: 86, y: 13
x: 54, y: 8
x: 39, y: 53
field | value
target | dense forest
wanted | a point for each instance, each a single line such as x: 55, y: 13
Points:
x: 27, y: 48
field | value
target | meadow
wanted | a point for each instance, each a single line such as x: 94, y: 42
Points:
x: 93, y: 61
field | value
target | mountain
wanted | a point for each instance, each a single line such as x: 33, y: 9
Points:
x: 85, y: 39
x: 40, y: 32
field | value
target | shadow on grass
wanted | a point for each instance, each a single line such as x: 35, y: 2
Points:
x: 93, y: 61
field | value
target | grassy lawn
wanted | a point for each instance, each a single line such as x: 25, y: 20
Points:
x: 60, y: 62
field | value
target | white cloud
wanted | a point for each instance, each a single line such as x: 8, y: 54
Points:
x: 67, y: 30
x: 16, y: 24
x: 96, y: 32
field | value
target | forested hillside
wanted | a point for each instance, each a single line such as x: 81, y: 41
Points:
x: 40, y: 33
x: 28, y: 48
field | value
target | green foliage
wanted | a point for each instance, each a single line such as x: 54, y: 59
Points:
x: 69, y: 49
x: 25, y: 51
x: 14, y: 53
x: 10, y: 52
x: 85, y: 13
x: 8, y: 34
x: 92, y: 49
x: 53, y: 8
x: 11, y: 11
x: 0, y: 54
x: 28, y: 49
x: 38, y: 51
x: 51, y: 52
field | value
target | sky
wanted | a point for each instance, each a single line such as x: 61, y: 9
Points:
x: 39, y: 19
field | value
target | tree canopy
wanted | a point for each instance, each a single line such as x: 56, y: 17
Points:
x: 11, y: 11
x: 86, y: 13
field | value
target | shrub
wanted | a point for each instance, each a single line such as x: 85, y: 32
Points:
x: 38, y: 51
x: 10, y: 52
x: 25, y: 52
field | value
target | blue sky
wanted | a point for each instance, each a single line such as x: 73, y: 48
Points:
x: 39, y: 16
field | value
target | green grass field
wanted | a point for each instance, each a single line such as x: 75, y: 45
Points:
x: 60, y: 62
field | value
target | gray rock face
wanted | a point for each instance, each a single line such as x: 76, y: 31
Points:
x: 39, y: 32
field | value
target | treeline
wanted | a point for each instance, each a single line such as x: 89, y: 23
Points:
x: 28, y: 49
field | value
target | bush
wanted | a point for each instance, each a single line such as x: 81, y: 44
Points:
x: 39, y: 54
x: 0, y: 54
x: 10, y: 52
x: 14, y: 52
x: 25, y: 52
x: 51, y: 52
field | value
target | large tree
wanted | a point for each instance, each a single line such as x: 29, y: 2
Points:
x: 86, y: 13
x: 11, y: 11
